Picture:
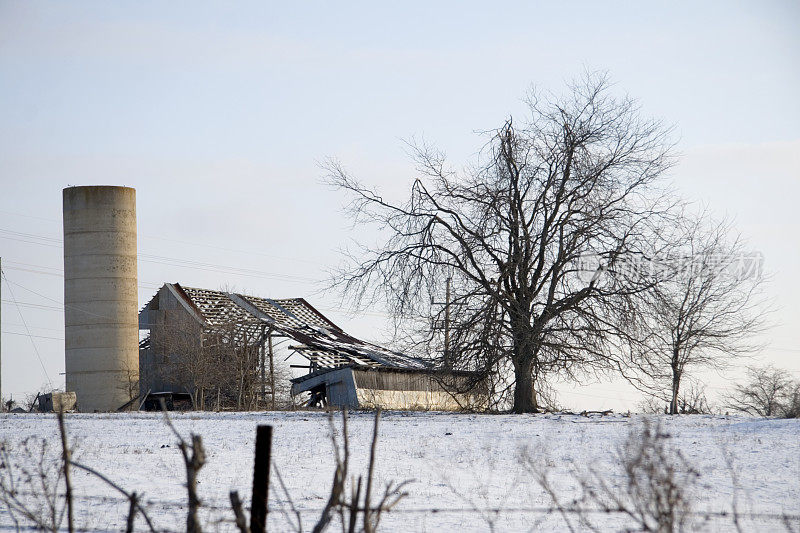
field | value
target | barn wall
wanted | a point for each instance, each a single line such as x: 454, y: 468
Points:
x: 395, y: 381
x: 411, y: 390
x: 400, y: 380
x: 412, y: 400
x: 342, y: 392
x: 386, y: 389
x: 154, y: 375
x: 165, y: 315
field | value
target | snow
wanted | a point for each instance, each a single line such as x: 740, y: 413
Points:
x: 461, y: 465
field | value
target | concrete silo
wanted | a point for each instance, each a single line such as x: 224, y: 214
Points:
x: 100, y: 296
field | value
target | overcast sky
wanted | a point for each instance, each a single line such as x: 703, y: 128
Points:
x: 219, y: 113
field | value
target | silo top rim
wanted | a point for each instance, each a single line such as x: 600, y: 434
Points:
x: 99, y: 197
x: 87, y: 187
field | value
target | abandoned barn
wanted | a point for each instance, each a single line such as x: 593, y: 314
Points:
x: 210, y: 348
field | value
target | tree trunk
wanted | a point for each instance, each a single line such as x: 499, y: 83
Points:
x: 676, y: 383
x: 524, y: 391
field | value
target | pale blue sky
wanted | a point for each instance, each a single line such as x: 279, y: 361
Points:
x: 219, y: 112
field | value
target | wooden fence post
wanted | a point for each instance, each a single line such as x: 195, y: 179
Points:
x: 259, y: 505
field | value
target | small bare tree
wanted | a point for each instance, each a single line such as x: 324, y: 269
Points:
x: 360, y: 501
x: 235, y: 349
x: 692, y: 400
x: 704, y: 309
x: 179, y: 357
x: 653, y: 493
x: 768, y: 391
x: 194, y: 458
x: 356, y: 501
x: 221, y: 362
x: 31, y: 479
x: 128, y: 381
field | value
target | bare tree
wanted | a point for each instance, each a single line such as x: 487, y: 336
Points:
x: 359, y: 499
x: 703, y: 310
x: 769, y: 391
x: 221, y: 362
x: 128, y: 381
x: 31, y: 478
x: 692, y: 400
x: 194, y: 458
x: 653, y: 491
x: 179, y: 356
x: 232, y: 349
x: 578, y: 179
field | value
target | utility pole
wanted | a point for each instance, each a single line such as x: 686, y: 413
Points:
x: 2, y: 405
x: 447, y: 362
x: 262, y: 352
x: 271, y: 369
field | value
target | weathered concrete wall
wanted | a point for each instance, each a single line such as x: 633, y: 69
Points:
x: 57, y: 402
x: 416, y: 400
x: 100, y: 295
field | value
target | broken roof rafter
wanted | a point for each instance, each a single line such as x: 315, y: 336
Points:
x: 323, y: 342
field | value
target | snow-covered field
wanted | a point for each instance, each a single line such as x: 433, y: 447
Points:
x: 462, y: 465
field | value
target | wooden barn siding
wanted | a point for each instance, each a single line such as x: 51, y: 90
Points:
x: 167, y: 311
x: 399, y: 381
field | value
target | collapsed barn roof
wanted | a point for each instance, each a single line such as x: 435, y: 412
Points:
x: 321, y: 341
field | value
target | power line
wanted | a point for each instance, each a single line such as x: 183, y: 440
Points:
x: 210, y: 267
x: 61, y: 306
x: 190, y: 243
x: 169, y: 261
x: 32, y: 327
x: 56, y: 301
x: 35, y: 336
x: 33, y: 305
x: 234, y: 250
x: 31, y: 235
x: 148, y: 286
x: 58, y: 269
x: 197, y: 265
x: 35, y: 348
x: 61, y: 275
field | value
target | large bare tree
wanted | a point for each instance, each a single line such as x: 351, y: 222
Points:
x: 704, y: 310
x: 579, y: 179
